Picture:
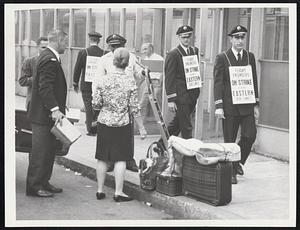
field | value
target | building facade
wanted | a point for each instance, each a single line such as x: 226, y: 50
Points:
x: 268, y: 39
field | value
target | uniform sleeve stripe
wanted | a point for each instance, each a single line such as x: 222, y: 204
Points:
x: 172, y: 95
x: 218, y: 101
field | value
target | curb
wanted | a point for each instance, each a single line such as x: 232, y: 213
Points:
x: 180, y: 207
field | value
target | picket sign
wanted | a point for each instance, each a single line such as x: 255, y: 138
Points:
x: 91, y: 67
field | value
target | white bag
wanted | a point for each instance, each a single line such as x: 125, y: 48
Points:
x: 206, y: 153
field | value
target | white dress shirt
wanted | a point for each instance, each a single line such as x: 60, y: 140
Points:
x: 236, y: 53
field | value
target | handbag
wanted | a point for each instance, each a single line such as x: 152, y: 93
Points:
x: 151, y: 166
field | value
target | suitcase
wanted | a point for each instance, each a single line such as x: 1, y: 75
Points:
x: 23, y: 134
x: 169, y: 185
x: 208, y: 183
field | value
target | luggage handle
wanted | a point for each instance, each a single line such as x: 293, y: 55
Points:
x: 149, y: 152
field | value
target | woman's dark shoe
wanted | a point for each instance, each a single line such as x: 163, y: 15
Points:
x: 100, y: 195
x: 119, y: 198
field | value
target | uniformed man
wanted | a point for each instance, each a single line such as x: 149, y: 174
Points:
x: 85, y: 85
x: 181, y: 100
x: 235, y: 115
x: 115, y: 41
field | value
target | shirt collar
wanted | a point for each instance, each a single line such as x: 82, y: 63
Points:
x: 55, y: 52
x: 184, y: 48
x: 236, y: 53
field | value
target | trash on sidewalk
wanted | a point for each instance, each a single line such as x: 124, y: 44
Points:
x: 67, y: 169
x: 148, y: 204
x: 77, y: 174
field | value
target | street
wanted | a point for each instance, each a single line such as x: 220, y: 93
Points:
x: 78, y: 200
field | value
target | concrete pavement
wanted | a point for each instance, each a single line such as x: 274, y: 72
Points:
x: 77, y: 201
x: 261, y: 194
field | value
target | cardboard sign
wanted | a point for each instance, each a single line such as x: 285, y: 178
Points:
x: 192, y: 71
x: 241, y: 81
x: 91, y: 68
x: 155, y: 67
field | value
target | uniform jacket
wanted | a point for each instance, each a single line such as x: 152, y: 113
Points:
x: 49, y: 89
x: 27, y: 72
x: 175, y: 82
x: 79, y: 70
x: 222, y: 87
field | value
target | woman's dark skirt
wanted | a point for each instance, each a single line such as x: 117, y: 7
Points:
x: 113, y: 143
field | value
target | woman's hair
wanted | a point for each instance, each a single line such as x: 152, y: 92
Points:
x: 121, y: 58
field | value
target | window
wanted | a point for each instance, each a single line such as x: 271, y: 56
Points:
x: 35, y: 24
x: 79, y: 32
x: 98, y: 24
x: 16, y: 27
x: 276, y: 34
x: 176, y: 22
x: 114, y: 25
x: 130, y: 21
x: 63, y: 19
x: 24, y: 19
x: 147, y: 28
x: 48, y: 21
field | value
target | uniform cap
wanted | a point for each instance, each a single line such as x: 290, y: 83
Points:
x: 185, y: 30
x: 115, y: 39
x: 95, y: 34
x: 237, y: 30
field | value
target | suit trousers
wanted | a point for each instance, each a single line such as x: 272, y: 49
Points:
x: 90, y: 114
x: 42, y: 157
x: 248, y: 133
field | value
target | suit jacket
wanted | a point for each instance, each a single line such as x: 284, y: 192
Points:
x: 26, y: 77
x: 79, y: 70
x: 222, y: 87
x: 175, y: 82
x: 49, y: 89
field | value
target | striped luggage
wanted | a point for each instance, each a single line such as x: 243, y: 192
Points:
x: 208, y: 183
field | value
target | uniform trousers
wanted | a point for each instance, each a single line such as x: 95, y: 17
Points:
x: 42, y: 158
x: 182, y: 121
x: 248, y: 133
x: 90, y: 114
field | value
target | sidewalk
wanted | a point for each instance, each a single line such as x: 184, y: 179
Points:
x: 262, y: 193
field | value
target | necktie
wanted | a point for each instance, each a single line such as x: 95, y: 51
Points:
x: 239, y: 58
x: 188, y: 51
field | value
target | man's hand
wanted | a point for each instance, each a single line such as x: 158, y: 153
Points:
x: 256, y: 112
x: 143, y: 133
x: 219, y: 113
x: 172, y: 106
x: 76, y: 88
x: 57, y: 116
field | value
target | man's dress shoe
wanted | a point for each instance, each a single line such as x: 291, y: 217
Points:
x: 41, y: 193
x: 52, y: 189
x: 239, y: 170
x: 131, y: 165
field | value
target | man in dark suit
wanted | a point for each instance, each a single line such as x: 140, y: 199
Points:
x: 181, y: 100
x: 235, y: 115
x: 85, y: 85
x: 48, y: 102
x: 28, y: 69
